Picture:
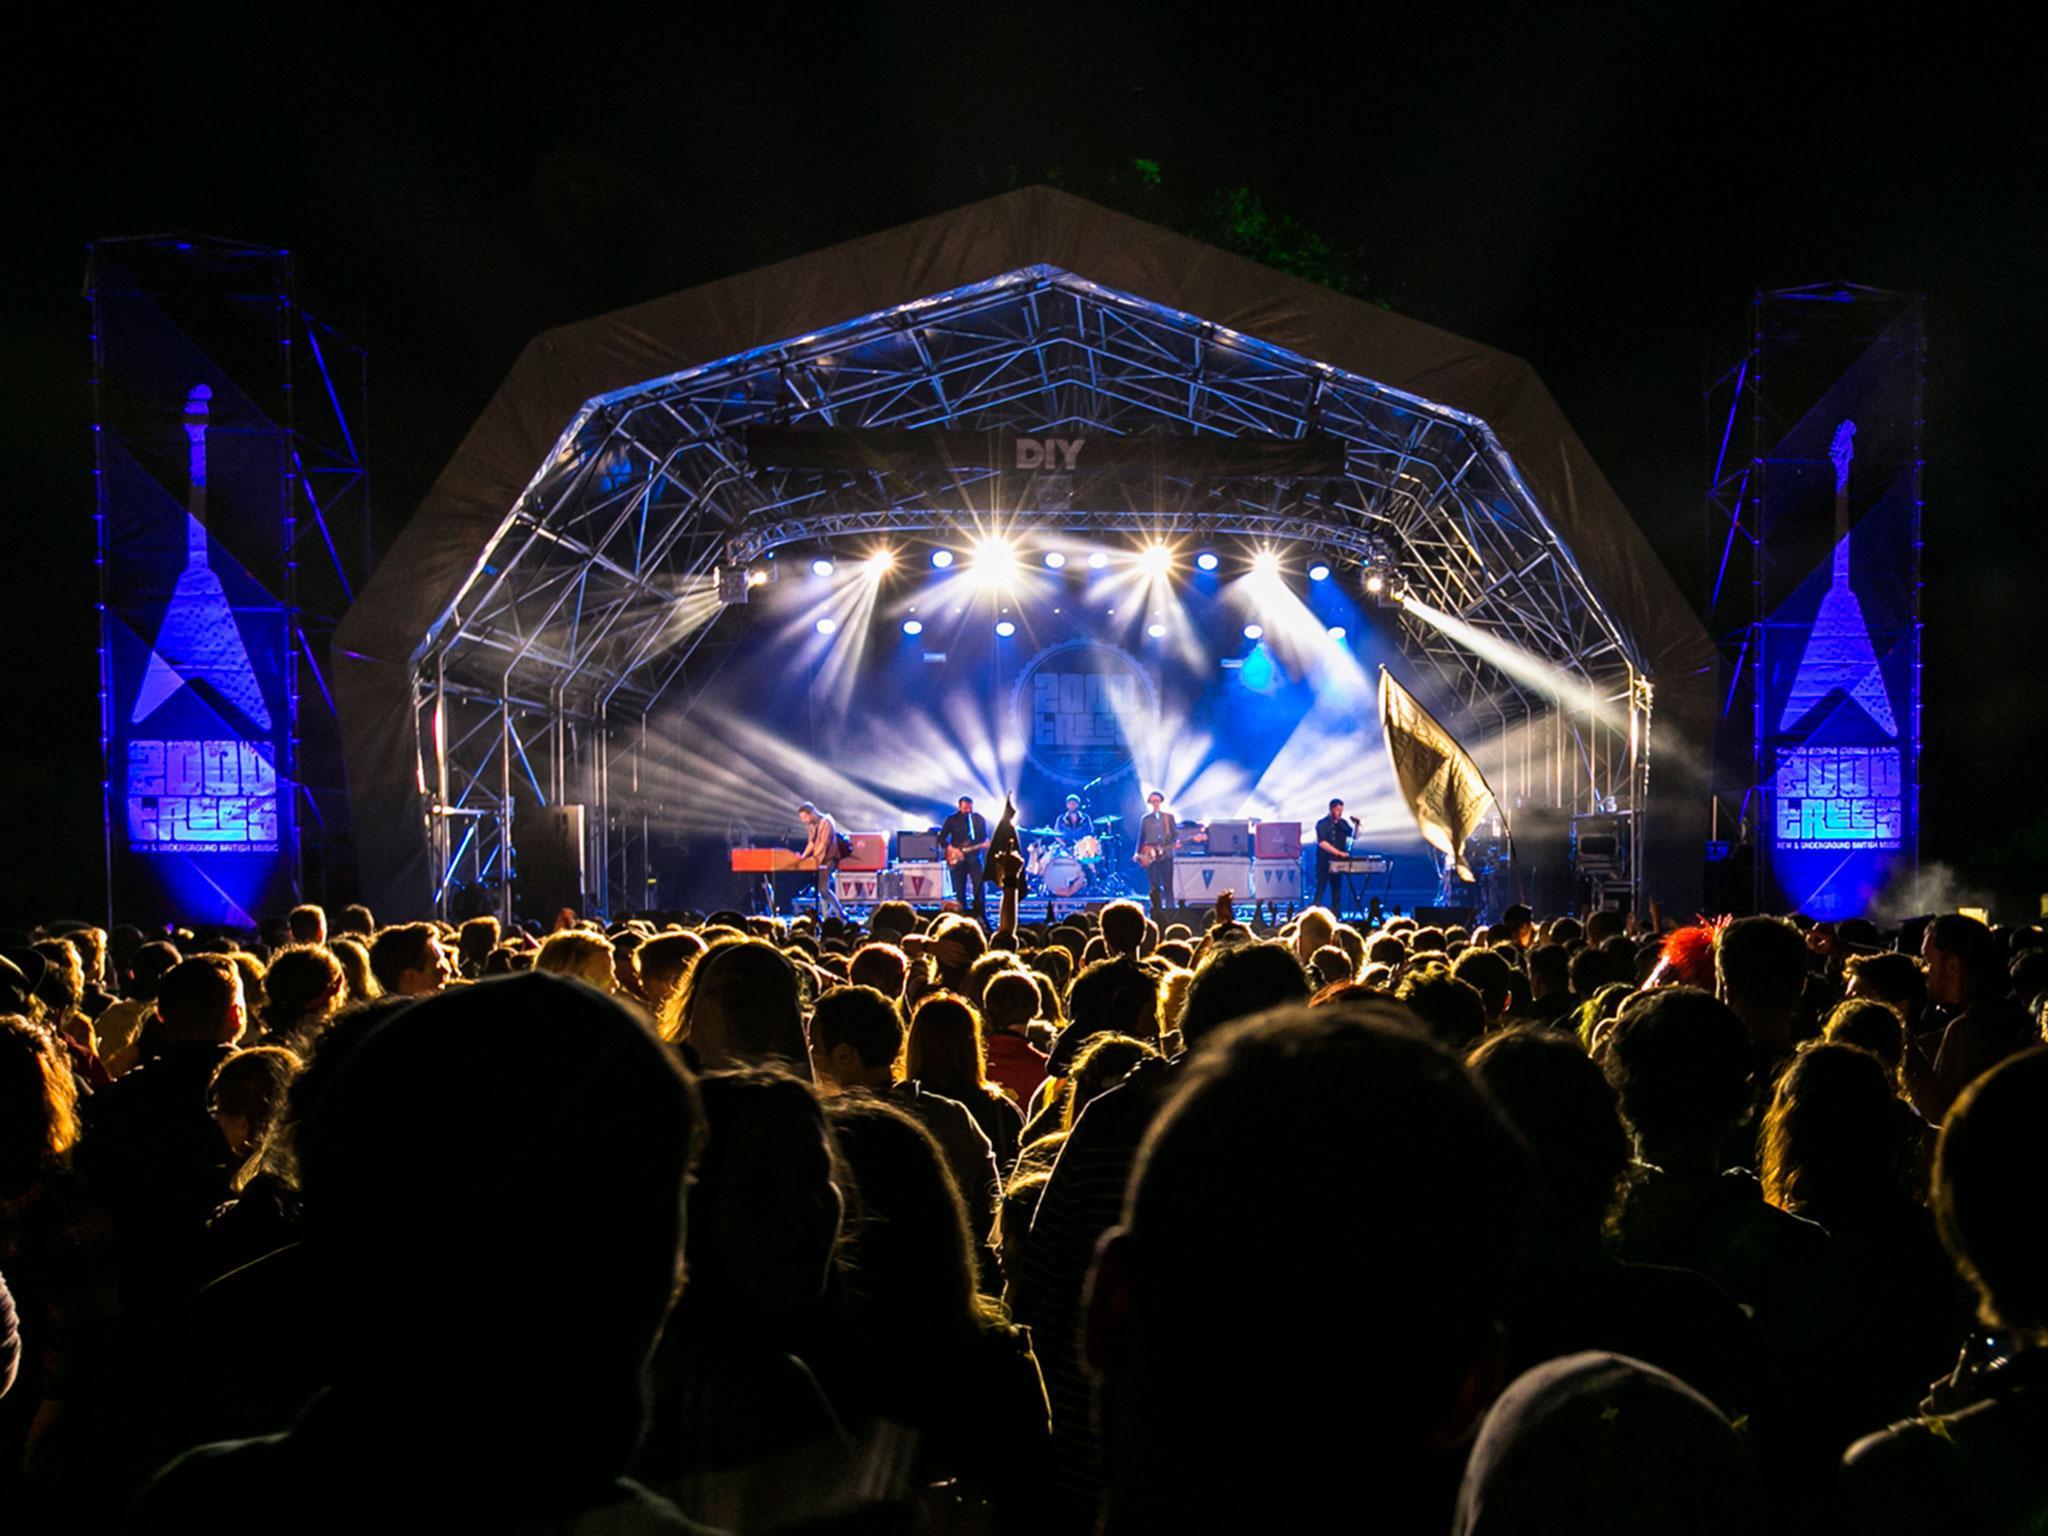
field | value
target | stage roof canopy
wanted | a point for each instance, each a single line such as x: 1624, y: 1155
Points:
x: 562, y: 577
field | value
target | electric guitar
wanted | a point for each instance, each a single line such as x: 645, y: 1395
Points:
x: 955, y: 855
x: 198, y: 640
x: 1838, y: 657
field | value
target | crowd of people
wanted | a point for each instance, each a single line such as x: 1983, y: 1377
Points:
x: 734, y: 1224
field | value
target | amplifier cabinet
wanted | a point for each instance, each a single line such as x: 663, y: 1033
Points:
x: 915, y: 883
x: 1203, y: 880
x: 1276, y: 840
x: 1276, y: 879
x: 858, y: 885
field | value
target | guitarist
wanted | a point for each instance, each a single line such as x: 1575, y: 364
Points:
x: 1155, y: 851
x: 964, y: 836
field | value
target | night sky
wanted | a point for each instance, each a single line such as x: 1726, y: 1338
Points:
x: 1600, y: 195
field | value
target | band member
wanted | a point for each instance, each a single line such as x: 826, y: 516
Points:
x: 822, y: 844
x: 1155, y: 850
x: 1073, y: 821
x: 1333, y: 842
x: 963, y: 836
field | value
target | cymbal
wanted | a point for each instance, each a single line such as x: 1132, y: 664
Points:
x: 1108, y: 821
x: 1041, y: 831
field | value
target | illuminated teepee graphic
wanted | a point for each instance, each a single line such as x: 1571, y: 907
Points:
x: 198, y: 641
x: 1839, y: 658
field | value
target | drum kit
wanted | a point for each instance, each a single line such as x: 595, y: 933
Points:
x: 1065, y: 868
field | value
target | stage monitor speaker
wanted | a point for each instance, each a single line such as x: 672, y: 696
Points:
x: 548, y: 849
x: 1446, y: 917
x: 1277, y: 840
x: 1229, y: 839
x: 918, y: 848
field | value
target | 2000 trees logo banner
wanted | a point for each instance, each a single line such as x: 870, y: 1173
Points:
x: 1080, y: 706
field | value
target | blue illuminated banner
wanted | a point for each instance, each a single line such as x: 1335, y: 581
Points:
x: 195, y: 641
x: 1843, y: 798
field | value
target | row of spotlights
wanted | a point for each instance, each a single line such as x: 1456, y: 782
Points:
x: 997, y: 556
x: 915, y: 627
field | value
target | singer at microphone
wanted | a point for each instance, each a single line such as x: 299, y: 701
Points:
x: 1333, y: 842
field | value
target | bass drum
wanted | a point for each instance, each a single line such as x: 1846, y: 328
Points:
x: 1063, y: 876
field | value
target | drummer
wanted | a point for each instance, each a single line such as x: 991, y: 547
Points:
x: 1072, y: 823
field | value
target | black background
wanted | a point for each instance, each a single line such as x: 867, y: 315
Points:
x: 1599, y: 193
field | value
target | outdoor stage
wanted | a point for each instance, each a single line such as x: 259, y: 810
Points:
x: 1026, y: 499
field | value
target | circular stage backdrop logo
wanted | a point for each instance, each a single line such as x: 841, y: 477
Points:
x: 1079, y: 706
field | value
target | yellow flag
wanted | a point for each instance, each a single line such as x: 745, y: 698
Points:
x: 1443, y: 787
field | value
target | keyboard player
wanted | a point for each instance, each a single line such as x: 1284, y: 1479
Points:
x: 1333, y: 842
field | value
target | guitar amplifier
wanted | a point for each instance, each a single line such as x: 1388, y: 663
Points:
x: 1276, y: 879
x: 1276, y: 840
x: 859, y: 886
x: 918, y: 848
x: 1230, y: 839
x: 870, y: 852
x: 1203, y: 880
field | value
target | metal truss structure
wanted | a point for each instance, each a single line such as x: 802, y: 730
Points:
x: 313, y: 389
x: 594, y: 616
x: 1747, y: 410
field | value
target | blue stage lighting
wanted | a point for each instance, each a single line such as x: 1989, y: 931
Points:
x: 913, y: 626
x: 1097, y: 561
x: 942, y: 558
x: 1207, y: 560
x: 1336, y: 631
x: 1319, y: 572
x: 1006, y: 629
x: 1255, y: 632
x: 1054, y: 560
x: 828, y: 626
x: 821, y: 567
x: 1156, y: 631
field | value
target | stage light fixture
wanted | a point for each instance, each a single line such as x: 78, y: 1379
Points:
x: 1157, y: 559
x: 1097, y: 561
x: 1055, y: 561
x: 995, y: 562
x: 828, y: 626
x: 1266, y: 563
x: 1006, y: 629
x: 1207, y: 560
x: 882, y: 561
x: 942, y: 559
x: 1319, y: 572
x: 1156, y: 631
x: 1336, y: 631
x: 1254, y: 632
x: 821, y: 566
x: 913, y: 626
x: 757, y: 578
x: 1375, y: 583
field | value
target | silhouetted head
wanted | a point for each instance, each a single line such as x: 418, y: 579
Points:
x: 741, y: 1007
x: 1680, y: 1061
x: 1964, y: 961
x: 1760, y: 969
x: 1993, y: 1220
x: 1601, y: 1445
x: 1565, y: 1109
x: 1339, y: 1205
x: 766, y: 1206
x: 1831, y: 1136
x: 1232, y: 984
x: 494, y: 1181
